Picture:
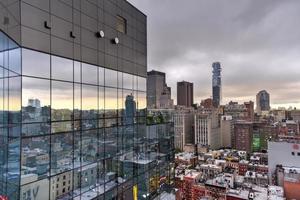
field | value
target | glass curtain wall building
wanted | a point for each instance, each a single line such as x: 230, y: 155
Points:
x: 73, y: 100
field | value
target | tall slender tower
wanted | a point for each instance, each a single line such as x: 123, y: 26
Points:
x: 216, y: 83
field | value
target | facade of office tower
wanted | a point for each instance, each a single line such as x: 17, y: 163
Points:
x: 217, y: 84
x: 73, y: 100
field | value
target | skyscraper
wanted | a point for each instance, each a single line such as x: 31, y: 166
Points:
x: 130, y: 109
x: 207, y: 131
x: 158, y: 93
x: 69, y: 72
x: 216, y: 84
x: 185, y: 94
x: 263, y: 101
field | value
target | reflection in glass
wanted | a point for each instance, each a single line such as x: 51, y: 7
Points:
x: 62, y: 68
x: 35, y: 100
x: 101, y: 76
x: 101, y: 102
x: 142, y: 103
x: 89, y: 102
x: 14, y: 100
x: 77, y: 101
x: 111, y: 102
x: 127, y: 81
x: 142, y: 85
x: 35, y: 63
x: 77, y: 72
x: 111, y: 78
x: 15, y: 60
x: 79, y: 137
x: 62, y: 101
x: 61, y: 153
x: 33, y: 129
x: 35, y: 156
x: 62, y: 186
x: 89, y: 74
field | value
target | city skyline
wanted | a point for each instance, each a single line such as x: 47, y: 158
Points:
x: 254, y: 53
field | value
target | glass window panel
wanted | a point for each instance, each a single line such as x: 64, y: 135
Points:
x: 111, y: 122
x: 35, y: 156
x: 101, y: 102
x: 77, y: 101
x: 62, y: 68
x: 34, y: 129
x: 101, y: 123
x: 120, y: 79
x: 127, y: 81
x: 142, y: 103
x: 101, y: 75
x: 77, y: 125
x: 15, y: 100
x: 89, y: 102
x: 64, y: 126
x: 35, y: 63
x: 77, y: 71
x: 111, y: 102
x: 142, y: 84
x: 89, y: 74
x: 61, y: 153
x: 101, y: 144
x: 15, y: 60
x: 77, y: 150
x: 89, y: 147
x: 88, y: 180
x: 135, y: 82
x: 2, y: 58
x: 62, y: 101
x: 121, y: 24
x: 30, y: 191
x: 129, y: 107
x: 62, y: 186
x: 127, y: 138
x: 89, y: 124
x: 35, y: 100
x: 111, y: 142
x: 111, y: 78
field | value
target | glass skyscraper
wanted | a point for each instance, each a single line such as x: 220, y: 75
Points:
x: 73, y: 102
x: 217, y: 83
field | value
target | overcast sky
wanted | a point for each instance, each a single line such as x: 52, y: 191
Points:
x: 256, y: 41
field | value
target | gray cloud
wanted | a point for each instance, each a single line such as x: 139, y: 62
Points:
x: 257, y: 42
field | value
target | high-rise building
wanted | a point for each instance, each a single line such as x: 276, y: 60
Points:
x: 243, y: 134
x: 226, y: 130
x: 250, y: 110
x: 207, y: 131
x: 86, y: 62
x: 185, y: 94
x: 158, y: 93
x: 217, y: 83
x: 262, y: 101
x: 183, y: 128
x: 130, y: 110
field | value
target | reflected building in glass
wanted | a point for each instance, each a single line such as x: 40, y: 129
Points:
x: 73, y: 101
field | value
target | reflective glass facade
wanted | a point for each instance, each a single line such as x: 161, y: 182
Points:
x: 73, y: 103
x: 10, y: 117
x: 71, y: 130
